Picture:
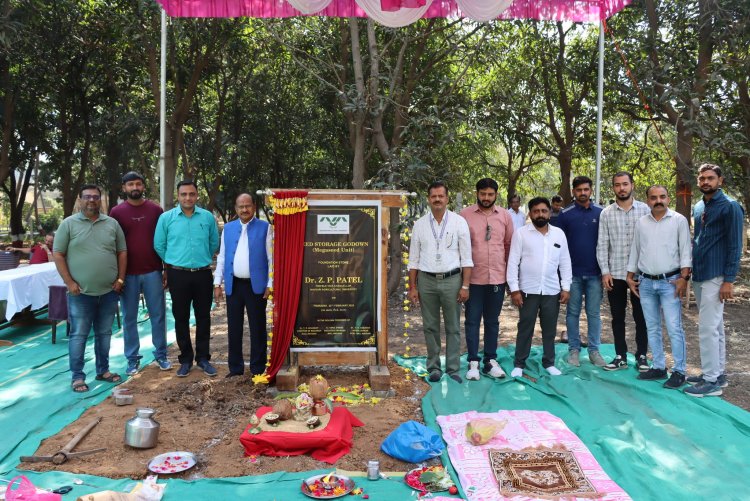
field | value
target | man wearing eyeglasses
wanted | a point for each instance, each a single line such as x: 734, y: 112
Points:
x: 91, y: 257
x: 716, y: 260
x: 186, y: 239
x: 491, y: 229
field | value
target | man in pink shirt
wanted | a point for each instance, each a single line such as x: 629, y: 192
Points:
x: 491, y: 229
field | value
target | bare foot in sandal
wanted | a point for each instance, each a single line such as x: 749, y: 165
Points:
x: 109, y: 377
x: 80, y: 386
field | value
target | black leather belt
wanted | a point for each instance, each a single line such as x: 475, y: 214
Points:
x: 441, y: 276
x: 180, y: 268
x: 662, y: 276
x: 240, y: 279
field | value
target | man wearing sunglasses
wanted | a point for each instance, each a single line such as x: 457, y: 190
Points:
x: 91, y: 257
x: 491, y: 230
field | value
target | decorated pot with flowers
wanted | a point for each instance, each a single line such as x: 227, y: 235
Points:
x: 303, y: 405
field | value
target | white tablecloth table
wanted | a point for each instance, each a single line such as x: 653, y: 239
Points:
x: 27, y: 286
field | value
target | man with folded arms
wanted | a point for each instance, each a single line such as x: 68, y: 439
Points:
x: 186, y: 239
x: 439, y: 275
x: 660, y: 256
x: 539, y: 277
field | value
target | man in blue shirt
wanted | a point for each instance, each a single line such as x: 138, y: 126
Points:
x: 716, y: 259
x: 580, y: 223
x: 186, y: 239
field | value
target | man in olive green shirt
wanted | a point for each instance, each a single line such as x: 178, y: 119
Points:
x: 91, y: 257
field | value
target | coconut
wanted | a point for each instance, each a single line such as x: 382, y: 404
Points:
x: 283, y: 408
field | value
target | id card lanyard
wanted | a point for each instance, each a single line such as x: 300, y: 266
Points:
x: 438, y: 239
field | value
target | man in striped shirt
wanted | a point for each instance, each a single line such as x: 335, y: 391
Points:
x: 616, y: 228
x: 716, y: 260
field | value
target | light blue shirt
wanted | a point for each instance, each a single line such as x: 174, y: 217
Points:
x: 188, y: 242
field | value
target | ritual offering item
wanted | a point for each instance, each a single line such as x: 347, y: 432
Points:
x: 303, y: 405
x: 318, y: 387
x: 272, y: 419
x: 172, y: 462
x: 327, y: 486
x: 319, y: 408
x: 283, y: 408
x: 482, y: 430
x: 429, y: 479
x: 142, y: 431
x: 313, y: 422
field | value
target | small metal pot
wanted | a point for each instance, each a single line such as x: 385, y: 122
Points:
x: 142, y: 431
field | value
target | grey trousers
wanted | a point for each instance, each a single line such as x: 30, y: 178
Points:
x: 711, y: 328
x: 547, y: 308
x: 436, y: 295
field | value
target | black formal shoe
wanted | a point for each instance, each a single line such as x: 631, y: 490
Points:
x: 435, y: 375
x: 184, y: 369
x: 233, y: 374
x: 456, y: 378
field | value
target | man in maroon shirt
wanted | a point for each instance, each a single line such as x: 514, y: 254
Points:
x: 137, y: 217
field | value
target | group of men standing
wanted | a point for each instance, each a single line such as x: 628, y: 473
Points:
x: 632, y: 250
x: 141, y: 250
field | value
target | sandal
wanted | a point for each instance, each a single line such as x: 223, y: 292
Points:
x: 80, y: 386
x: 109, y: 377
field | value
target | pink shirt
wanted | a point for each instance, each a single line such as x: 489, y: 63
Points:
x: 490, y: 256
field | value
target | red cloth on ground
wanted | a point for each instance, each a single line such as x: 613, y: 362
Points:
x: 328, y: 444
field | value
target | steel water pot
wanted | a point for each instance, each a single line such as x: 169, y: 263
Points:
x: 142, y: 431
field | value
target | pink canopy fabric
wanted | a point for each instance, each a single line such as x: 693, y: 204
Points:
x: 554, y: 10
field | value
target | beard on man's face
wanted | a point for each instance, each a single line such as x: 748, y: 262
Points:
x: 135, y: 194
x: 708, y: 190
x: 540, y: 222
x: 486, y: 204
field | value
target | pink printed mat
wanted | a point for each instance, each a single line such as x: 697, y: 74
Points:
x: 523, y: 429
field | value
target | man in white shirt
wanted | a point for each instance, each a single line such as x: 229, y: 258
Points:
x: 439, y: 274
x: 661, y: 256
x: 516, y: 214
x: 539, y: 276
x: 245, y: 265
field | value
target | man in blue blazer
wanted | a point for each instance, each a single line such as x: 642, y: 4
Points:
x: 245, y: 266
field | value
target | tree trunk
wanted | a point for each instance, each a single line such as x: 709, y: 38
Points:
x: 684, y: 170
x: 566, y: 166
x: 358, y: 163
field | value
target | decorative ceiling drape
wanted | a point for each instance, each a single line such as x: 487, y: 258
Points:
x: 401, y: 12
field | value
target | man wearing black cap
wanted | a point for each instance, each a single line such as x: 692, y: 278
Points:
x: 137, y: 217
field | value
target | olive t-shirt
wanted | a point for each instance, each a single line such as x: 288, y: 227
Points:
x: 90, y: 249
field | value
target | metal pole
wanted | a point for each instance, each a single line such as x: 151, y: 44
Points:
x: 163, y: 111
x: 600, y: 104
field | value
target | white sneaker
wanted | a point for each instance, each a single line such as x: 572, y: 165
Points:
x: 553, y: 371
x: 516, y: 372
x: 495, y: 370
x: 473, y: 373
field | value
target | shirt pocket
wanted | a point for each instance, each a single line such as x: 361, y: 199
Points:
x: 451, y: 240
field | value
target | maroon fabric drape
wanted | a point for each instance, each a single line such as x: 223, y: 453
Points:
x: 289, y: 240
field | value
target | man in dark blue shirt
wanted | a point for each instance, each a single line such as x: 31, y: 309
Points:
x: 716, y: 260
x: 580, y: 222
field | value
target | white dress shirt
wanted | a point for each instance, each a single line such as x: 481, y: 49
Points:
x: 440, y: 248
x: 519, y: 218
x: 661, y: 246
x: 241, y: 267
x: 535, y: 259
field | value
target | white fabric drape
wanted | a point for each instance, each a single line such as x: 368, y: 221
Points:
x: 483, y: 10
x: 398, y: 19
x: 309, y: 6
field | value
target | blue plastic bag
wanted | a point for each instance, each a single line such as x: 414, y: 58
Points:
x: 413, y: 442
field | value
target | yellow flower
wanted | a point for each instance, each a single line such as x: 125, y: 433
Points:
x: 408, y: 348
x: 406, y: 325
x: 260, y: 378
x: 406, y: 308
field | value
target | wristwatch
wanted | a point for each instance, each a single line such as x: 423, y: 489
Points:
x: 465, y: 287
x: 120, y: 281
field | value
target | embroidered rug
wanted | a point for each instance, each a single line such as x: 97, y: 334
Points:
x: 524, y: 430
x: 541, y: 472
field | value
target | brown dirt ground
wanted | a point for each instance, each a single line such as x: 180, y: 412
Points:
x: 206, y: 415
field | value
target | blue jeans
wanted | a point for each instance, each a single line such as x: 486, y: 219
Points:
x: 85, y: 312
x: 658, y: 296
x: 485, y: 303
x: 591, y: 287
x: 150, y: 284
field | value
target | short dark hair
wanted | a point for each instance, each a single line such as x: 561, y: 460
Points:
x: 539, y: 200
x: 712, y: 167
x: 513, y: 196
x: 437, y: 184
x: 648, y: 191
x: 89, y: 186
x: 557, y: 198
x: 579, y: 180
x: 132, y: 176
x: 243, y: 194
x: 487, y: 182
x: 622, y: 173
x: 187, y: 182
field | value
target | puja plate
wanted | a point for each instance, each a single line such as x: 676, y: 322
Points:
x: 314, y: 487
x: 412, y: 480
x: 172, y: 462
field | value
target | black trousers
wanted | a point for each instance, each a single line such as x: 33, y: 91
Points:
x: 192, y: 288
x: 618, y: 303
x: 243, y: 300
x: 546, y: 308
